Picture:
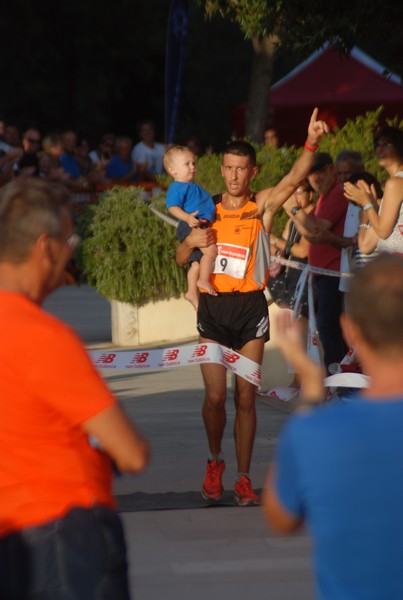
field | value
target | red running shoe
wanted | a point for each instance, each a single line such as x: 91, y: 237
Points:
x: 244, y: 494
x: 212, y: 486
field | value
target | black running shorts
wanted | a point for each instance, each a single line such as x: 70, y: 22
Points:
x: 233, y: 319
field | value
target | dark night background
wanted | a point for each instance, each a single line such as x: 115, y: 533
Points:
x: 98, y: 67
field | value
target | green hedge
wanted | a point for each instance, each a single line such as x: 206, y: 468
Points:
x: 128, y: 253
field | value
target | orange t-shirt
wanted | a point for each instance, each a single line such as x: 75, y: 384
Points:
x: 48, y: 387
x: 242, y: 263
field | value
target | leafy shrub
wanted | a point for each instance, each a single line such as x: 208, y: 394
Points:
x: 358, y: 135
x: 129, y: 253
x: 273, y: 165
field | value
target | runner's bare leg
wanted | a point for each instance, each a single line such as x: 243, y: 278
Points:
x: 245, y: 404
x: 214, y: 414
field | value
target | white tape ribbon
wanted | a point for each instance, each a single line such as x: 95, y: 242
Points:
x: 180, y: 356
x: 347, y: 380
x: 196, y: 354
x: 165, y: 218
x: 302, y: 266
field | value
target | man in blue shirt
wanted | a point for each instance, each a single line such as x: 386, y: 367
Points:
x: 339, y: 467
x: 68, y: 158
x: 121, y: 168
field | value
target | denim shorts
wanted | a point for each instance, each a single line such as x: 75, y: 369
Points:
x: 182, y: 231
x: 81, y: 556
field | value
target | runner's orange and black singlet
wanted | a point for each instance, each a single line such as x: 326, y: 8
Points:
x: 242, y: 263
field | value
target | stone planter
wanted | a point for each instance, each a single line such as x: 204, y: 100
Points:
x: 157, y: 322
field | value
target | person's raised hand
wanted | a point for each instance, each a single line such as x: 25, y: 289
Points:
x: 316, y: 129
x: 360, y: 193
x: 288, y: 334
x: 289, y: 338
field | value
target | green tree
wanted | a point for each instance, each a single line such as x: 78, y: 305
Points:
x: 305, y: 27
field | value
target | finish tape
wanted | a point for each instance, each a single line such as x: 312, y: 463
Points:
x: 348, y: 380
x: 302, y: 266
x: 196, y: 354
x: 180, y: 356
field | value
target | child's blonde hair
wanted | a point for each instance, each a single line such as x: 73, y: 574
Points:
x: 170, y: 152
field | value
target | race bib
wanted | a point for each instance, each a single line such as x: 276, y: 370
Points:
x: 231, y: 260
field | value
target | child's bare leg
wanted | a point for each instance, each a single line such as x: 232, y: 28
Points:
x: 206, y: 268
x: 192, y: 295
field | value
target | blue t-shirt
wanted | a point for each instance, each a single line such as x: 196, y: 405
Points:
x: 117, y: 168
x: 341, y: 468
x: 191, y: 197
x: 70, y: 165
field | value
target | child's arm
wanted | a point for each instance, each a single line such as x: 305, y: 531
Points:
x: 179, y: 213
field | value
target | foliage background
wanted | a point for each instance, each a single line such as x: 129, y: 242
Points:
x: 128, y: 253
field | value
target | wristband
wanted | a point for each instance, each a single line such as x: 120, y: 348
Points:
x: 310, y: 148
x: 367, y: 207
x: 364, y: 226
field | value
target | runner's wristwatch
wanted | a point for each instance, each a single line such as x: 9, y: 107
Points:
x: 295, y: 210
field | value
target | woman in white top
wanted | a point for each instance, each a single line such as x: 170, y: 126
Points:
x: 382, y: 231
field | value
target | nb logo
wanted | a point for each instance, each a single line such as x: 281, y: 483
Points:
x: 140, y: 357
x: 257, y: 374
x: 170, y: 355
x: 230, y: 357
x: 105, y: 359
x: 200, y: 350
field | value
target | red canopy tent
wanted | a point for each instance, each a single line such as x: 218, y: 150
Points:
x: 341, y: 86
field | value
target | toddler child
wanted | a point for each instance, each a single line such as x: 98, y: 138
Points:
x: 194, y: 207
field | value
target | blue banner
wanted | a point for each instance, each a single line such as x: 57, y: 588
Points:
x: 175, y: 57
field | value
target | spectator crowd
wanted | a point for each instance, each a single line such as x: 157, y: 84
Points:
x: 66, y: 158
x: 336, y: 468
x: 337, y: 217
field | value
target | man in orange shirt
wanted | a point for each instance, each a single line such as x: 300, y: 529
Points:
x: 59, y: 535
x: 237, y: 316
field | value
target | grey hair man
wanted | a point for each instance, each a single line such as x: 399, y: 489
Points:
x: 348, y: 163
x: 59, y: 533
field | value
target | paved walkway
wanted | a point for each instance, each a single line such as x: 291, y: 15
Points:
x: 179, y: 549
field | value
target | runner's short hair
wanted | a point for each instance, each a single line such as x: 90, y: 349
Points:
x: 241, y: 148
